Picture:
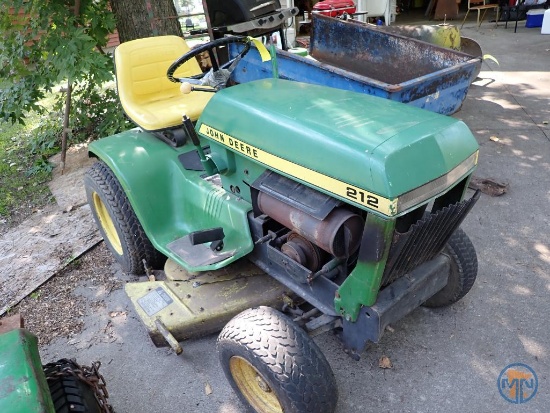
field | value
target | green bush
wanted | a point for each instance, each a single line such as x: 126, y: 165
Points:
x: 50, y: 46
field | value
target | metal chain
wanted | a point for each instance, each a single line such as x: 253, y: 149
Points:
x: 88, y: 375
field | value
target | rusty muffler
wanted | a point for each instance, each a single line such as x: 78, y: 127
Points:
x: 338, y: 234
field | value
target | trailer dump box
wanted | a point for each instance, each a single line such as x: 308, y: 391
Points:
x: 361, y: 58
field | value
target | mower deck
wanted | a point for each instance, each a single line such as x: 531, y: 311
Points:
x: 188, y: 305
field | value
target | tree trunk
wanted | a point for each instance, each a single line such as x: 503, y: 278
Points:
x: 145, y: 18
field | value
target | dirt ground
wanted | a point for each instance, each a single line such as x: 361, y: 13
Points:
x: 47, y: 237
x: 57, y: 308
x: 23, y: 211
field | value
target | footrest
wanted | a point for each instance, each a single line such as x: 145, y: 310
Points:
x: 199, y: 254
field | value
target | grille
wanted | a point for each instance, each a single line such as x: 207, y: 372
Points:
x: 424, y: 239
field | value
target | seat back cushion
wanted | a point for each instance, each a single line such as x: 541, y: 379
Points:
x: 140, y: 67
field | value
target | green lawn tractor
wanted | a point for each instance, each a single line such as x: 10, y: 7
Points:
x: 294, y: 208
x: 26, y: 386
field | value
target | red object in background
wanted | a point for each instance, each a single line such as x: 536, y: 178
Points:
x: 334, y: 8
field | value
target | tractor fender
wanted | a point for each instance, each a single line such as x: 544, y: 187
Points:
x: 169, y: 200
x: 23, y: 386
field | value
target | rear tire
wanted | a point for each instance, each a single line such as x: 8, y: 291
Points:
x: 69, y: 394
x: 274, y: 366
x: 463, y: 271
x: 117, y: 221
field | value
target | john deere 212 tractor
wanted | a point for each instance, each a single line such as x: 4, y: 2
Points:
x: 294, y: 208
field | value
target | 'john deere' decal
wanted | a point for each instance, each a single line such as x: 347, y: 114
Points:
x: 344, y: 190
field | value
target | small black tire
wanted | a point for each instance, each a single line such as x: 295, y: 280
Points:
x: 68, y: 393
x: 463, y: 273
x: 274, y: 366
x: 117, y: 221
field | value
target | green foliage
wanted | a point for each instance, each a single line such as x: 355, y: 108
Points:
x: 35, y: 295
x: 98, y: 113
x: 44, y: 45
x: 44, y: 140
x: 47, y: 44
x: 40, y: 165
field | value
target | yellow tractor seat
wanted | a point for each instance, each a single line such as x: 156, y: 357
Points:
x: 149, y: 99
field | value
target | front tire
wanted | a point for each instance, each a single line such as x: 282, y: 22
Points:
x: 274, y: 366
x: 463, y: 271
x: 117, y: 221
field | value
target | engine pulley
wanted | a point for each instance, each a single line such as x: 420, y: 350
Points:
x: 302, y: 251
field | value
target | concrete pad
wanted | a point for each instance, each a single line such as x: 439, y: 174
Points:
x: 512, y: 100
x: 141, y: 377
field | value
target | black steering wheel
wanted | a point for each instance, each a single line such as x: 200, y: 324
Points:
x: 217, y: 77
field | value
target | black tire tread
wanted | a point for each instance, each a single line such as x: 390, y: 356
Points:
x: 69, y: 394
x: 463, y: 270
x: 304, y: 381
x: 101, y: 179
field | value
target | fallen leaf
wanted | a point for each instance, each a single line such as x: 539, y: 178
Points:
x: 488, y: 186
x: 385, y: 363
x: 494, y: 138
x: 208, y: 389
x: 114, y: 314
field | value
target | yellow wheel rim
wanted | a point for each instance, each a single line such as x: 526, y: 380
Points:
x: 107, y: 223
x: 253, y: 386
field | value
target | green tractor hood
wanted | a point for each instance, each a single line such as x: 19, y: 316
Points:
x: 360, y: 148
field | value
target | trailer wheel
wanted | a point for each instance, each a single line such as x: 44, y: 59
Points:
x: 68, y: 393
x: 274, y: 366
x: 117, y: 221
x: 463, y: 270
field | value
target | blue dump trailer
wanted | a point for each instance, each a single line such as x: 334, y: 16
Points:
x: 351, y: 56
